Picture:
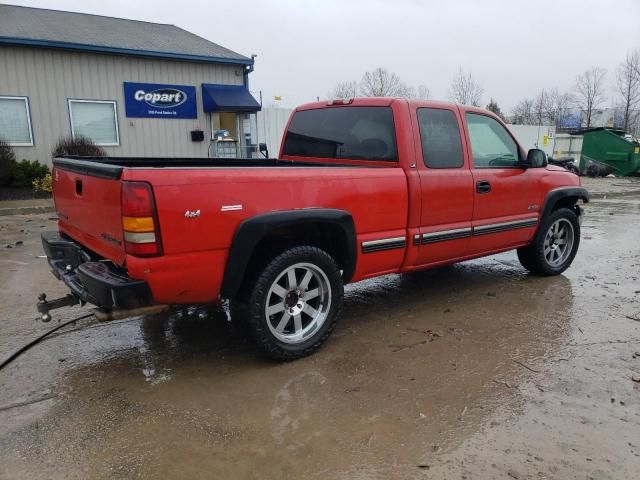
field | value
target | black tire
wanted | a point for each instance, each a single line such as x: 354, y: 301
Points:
x: 573, y: 169
x: 254, y: 310
x: 533, y: 258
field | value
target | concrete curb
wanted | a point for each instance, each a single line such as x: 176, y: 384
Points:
x: 26, y: 210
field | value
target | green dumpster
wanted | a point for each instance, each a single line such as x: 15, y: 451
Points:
x: 612, y: 148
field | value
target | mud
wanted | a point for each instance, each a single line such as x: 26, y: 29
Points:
x: 472, y: 371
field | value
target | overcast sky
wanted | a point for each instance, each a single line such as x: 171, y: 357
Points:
x: 513, y: 48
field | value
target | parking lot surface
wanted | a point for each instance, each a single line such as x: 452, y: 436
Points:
x: 478, y: 370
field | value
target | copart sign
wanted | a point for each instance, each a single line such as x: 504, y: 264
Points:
x: 144, y: 100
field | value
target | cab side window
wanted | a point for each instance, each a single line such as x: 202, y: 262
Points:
x: 440, y: 135
x: 491, y: 144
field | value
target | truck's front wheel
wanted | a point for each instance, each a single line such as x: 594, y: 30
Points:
x: 294, y: 302
x: 555, y: 244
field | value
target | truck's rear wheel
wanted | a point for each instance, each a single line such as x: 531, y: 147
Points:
x: 294, y: 303
x: 555, y: 244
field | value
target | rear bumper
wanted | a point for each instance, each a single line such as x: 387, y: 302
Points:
x: 91, y: 278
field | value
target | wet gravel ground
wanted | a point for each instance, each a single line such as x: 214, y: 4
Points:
x: 473, y: 371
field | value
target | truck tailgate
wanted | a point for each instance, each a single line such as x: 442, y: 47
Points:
x: 88, y: 207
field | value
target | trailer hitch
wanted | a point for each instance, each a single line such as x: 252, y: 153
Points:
x: 45, y: 306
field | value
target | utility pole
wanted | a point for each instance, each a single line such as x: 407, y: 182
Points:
x: 539, y: 117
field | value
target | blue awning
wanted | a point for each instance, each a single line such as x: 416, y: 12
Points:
x: 227, y: 98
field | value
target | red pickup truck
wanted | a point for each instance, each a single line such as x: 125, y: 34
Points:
x: 361, y: 188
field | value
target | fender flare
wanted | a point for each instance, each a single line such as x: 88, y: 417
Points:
x: 252, y: 230
x: 554, y: 196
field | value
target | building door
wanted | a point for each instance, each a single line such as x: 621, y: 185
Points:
x: 229, y: 122
x: 230, y: 146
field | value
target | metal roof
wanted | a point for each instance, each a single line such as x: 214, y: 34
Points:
x: 95, y: 33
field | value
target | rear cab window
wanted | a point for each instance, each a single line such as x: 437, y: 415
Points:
x: 491, y: 144
x: 357, y: 133
x: 440, y: 138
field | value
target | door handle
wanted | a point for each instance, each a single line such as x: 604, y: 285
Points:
x: 483, y: 186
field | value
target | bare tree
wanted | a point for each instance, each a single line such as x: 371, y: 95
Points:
x: 590, y: 91
x: 558, y: 106
x: 628, y: 85
x: 540, y: 107
x: 549, y: 107
x: 465, y: 89
x: 423, y: 92
x: 345, y: 90
x: 524, y: 112
x: 379, y: 83
x: 383, y: 83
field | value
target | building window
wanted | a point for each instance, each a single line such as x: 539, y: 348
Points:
x: 96, y: 120
x: 15, y: 121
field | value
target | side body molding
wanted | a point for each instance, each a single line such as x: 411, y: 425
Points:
x: 252, y: 230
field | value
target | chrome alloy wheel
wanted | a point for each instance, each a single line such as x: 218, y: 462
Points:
x: 298, y: 303
x: 558, y: 242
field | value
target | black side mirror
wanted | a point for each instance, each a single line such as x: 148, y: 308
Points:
x: 262, y: 147
x: 536, y: 158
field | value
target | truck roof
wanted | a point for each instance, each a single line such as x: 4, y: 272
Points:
x: 385, y: 102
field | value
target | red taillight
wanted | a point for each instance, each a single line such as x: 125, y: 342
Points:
x: 142, y: 249
x: 140, y: 220
x: 137, y: 199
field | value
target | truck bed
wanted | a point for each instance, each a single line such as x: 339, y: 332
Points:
x: 111, y: 167
x: 223, y: 193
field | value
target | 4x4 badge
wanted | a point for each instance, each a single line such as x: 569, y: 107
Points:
x: 192, y: 213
